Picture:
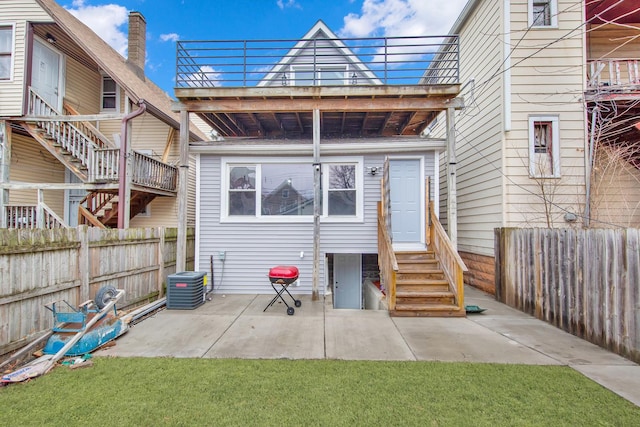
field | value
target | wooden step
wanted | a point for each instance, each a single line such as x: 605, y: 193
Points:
x: 417, y: 310
x: 414, y: 256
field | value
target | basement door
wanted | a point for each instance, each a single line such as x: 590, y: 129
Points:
x: 347, y: 281
x: 406, y: 204
x: 45, y: 73
x: 73, y: 199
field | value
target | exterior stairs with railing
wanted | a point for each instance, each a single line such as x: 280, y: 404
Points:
x: 422, y: 288
x: 95, y: 160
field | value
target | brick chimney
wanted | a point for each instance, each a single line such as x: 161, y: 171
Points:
x: 137, y: 42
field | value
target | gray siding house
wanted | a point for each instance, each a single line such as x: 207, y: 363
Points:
x: 315, y: 150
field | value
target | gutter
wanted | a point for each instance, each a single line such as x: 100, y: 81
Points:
x: 124, y: 149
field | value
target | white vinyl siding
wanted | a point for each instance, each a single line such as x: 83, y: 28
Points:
x: 479, y: 136
x: 16, y: 13
x: 546, y: 81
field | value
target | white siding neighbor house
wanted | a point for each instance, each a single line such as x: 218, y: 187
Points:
x: 528, y: 144
x: 85, y: 137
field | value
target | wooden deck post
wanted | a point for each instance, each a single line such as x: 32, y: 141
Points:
x: 183, y: 171
x: 316, y: 205
x: 5, y: 166
x: 452, y: 198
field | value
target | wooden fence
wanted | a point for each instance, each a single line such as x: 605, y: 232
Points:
x: 586, y: 282
x: 40, y: 266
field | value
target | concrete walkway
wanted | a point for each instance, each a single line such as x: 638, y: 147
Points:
x: 235, y: 326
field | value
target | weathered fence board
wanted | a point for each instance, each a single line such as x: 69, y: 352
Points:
x: 584, y: 281
x: 39, y: 266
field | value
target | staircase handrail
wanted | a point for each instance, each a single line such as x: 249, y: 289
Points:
x: 38, y: 215
x: 66, y: 134
x: 450, y: 261
x: 88, y: 129
x: 387, y: 261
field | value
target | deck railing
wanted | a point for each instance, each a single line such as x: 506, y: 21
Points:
x: 614, y: 73
x: 317, y: 62
x: 150, y: 172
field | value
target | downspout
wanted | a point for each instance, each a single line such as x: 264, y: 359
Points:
x: 587, y: 204
x: 124, y: 149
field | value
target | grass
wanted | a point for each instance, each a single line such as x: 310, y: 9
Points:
x: 184, y: 392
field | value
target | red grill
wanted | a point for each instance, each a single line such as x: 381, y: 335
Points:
x: 283, y: 276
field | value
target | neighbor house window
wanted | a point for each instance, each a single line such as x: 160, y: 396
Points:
x: 543, y: 13
x: 273, y: 190
x: 341, y: 191
x: 110, y: 98
x: 323, y: 76
x: 544, y: 147
x: 6, y: 51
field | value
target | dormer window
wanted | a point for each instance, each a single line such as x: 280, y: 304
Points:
x: 324, y: 75
x: 110, y: 95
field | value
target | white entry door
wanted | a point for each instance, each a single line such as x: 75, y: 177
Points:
x: 347, y: 281
x: 45, y: 73
x: 406, y: 203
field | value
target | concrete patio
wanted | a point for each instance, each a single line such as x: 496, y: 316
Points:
x: 235, y: 326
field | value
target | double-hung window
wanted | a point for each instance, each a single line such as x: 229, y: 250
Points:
x: 110, y: 95
x: 543, y: 13
x: 6, y: 51
x: 283, y: 191
x: 544, y: 147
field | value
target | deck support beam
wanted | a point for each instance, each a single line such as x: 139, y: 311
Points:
x: 5, y: 166
x: 183, y: 171
x: 316, y: 205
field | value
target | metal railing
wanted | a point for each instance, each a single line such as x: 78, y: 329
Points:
x: 613, y: 73
x: 317, y: 62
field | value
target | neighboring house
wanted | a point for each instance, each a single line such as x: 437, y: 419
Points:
x: 74, y: 115
x: 523, y: 153
x: 309, y: 120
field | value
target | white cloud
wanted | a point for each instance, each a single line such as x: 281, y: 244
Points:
x: 402, y: 18
x: 105, y: 21
x: 205, y: 76
x: 288, y: 3
x: 171, y: 37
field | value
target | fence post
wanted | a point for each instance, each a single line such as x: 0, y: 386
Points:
x: 83, y: 262
x: 161, y: 234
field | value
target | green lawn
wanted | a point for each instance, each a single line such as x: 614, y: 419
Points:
x: 201, y: 392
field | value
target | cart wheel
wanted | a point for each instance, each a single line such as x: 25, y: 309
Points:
x: 104, y: 295
x: 290, y: 311
x: 298, y: 303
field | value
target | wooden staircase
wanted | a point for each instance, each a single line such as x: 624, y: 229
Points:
x: 94, y: 159
x: 422, y: 289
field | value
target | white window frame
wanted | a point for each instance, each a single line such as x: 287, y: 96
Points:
x: 102, y: 95
x: 534, y: 170
x: 318, y: 70
x: 229, y: 162
x: 12, y: 26
x: 553, y: 4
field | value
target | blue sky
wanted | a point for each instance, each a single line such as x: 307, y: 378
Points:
x: 171, y: 20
